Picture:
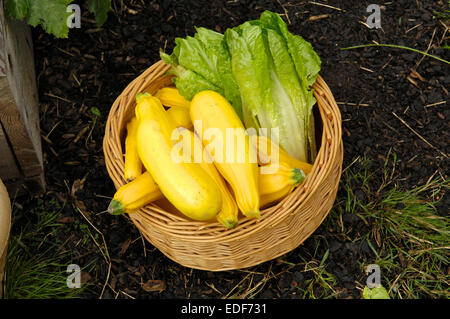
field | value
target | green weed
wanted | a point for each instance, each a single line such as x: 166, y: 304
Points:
x: 410, y: 241
x: 36, y: 263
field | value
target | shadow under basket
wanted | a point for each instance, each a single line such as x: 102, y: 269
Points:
x: 208, y: 245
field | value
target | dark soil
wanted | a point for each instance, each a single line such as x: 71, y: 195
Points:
x: 93, y: 66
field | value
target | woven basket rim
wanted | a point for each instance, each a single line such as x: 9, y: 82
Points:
x: 179, y: 228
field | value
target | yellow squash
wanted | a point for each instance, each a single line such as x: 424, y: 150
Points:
x: 266, y: 148
x: 272, y: 198
x: 285, y: 175
x: 180, y: 116
x: 170, y: 97
x: 135, y: 195
x: 133, y: 165
x: 275, y: 186
x: 186, y: 185
x: 228, y: 215
x: 210, y: 110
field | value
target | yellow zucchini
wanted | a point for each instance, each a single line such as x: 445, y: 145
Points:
x: 265, y: 149
x: 186, y: 185
x: 134, y: 195
x: 171, y: 97
x: 180, y: 116
x: 210, y: 110
x: 272, y: 198
x: 133, y: 165
x: 228, y: 215
x: 286, y: 175
x: 275, y: 186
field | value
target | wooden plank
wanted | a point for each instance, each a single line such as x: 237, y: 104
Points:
x: 2, y: 43
x: 25, y: 186
x: 18, y: 133
x: 19, y: 107
x: 8, y: 166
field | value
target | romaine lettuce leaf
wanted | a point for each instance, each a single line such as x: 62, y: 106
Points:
x: 307, y: 64
x: 268, y: 83
x: 252, y: 73
x: 274, y: 93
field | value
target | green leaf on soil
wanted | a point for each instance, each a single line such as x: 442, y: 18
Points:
x: 52, y: 15
x: 375, y: 293
x: 96, y: 111
x: 100, y: 9
x: 16, y: 9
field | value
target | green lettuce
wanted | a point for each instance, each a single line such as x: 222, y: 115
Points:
x: 263, y: 70
x: 202, y: 63
x: 307, y: 64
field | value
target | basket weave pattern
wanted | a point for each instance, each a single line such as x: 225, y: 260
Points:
x: 208, y: 245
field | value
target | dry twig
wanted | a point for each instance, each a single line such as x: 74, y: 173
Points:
x: 418, y: 135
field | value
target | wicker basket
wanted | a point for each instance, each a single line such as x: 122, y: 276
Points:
x: 209, y: 246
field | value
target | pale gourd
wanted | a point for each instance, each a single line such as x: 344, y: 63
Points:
x: 5, y: 225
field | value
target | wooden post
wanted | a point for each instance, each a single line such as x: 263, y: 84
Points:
x: 21, y: 164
